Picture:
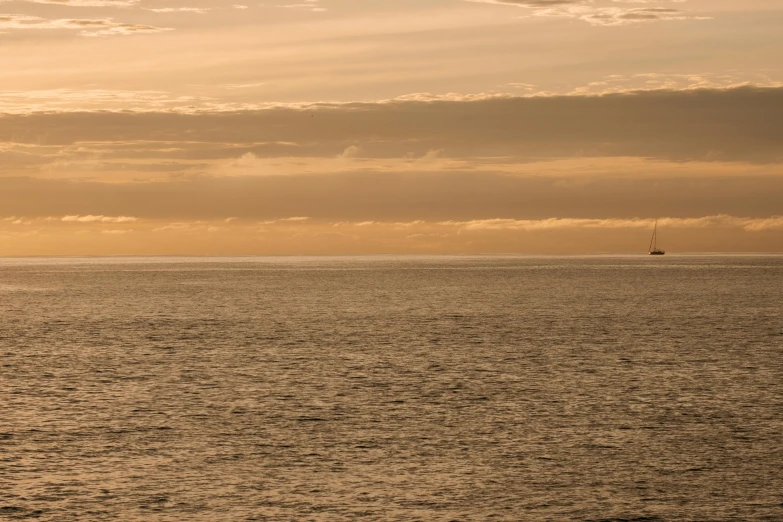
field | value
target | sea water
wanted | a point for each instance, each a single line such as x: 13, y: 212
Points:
x: 392, y: 388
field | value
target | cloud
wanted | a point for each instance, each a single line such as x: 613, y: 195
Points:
x: 306, y: 5
x: 717, y: 221
x: 99, y: 219
x: 396, y: 196
x: 745, y: 124
x: 85, y: 26
x: 595, y: 15
x: 529, y: 3
x: 616, y: 16
x: 56, y: 99
x: 350, y: 152
x: 726, y: 221
x: 284, y: 221
x: 655, y: 81
x: 234, y: 86
x: 77, y: 100
x: 17, y: 220
x: 199, y: 10
x: 559, y: 235
x: 88, y: 3
x: 528, y: 225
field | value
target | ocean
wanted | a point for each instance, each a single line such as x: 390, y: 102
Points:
x: 440, y: 388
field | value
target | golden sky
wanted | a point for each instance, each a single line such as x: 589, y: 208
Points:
x: 367, y: 126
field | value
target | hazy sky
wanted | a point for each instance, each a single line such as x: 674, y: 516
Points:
x: 367, y: 126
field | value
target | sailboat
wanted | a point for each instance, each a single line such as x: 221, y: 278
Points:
x: 654, y: 250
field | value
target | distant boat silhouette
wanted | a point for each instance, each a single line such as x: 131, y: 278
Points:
x: 654, y: 251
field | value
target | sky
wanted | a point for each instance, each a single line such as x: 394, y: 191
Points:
x: 135, y: 127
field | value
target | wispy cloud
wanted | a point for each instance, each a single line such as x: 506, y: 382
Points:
x: 198, y: 10
x: 98, y: 219
x: 304, y: 236
x: 306, y: 5
x: 85, y: 26
x: 586, y: 11
x: 235, y: 86
x: 87, y: 3
x: 653, y: 81
x: 616, y: 16
x: 716, y: 221
x: 86, y: 99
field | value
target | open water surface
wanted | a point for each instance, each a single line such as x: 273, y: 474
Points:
x: 392, y: 388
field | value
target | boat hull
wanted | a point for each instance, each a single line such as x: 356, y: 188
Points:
x: 657, y: 253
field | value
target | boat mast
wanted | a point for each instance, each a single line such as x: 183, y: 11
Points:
x: 654, y: 239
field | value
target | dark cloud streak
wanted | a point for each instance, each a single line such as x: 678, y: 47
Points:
x: 394, y: 197
x: 740, y: 124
